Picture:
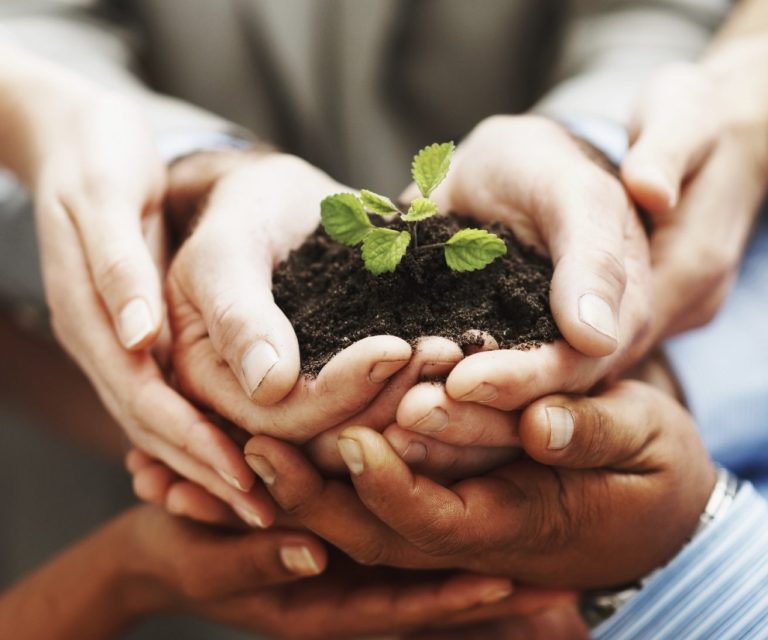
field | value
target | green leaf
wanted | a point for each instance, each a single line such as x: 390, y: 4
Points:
x: 344, y: 218
x: 421, y: 209
x: 472, y: 249
x: 377, y: 204
x: 430, y: 165
x: 383, y: 249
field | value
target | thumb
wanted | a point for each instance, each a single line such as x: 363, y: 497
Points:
x: 223, y: 564
x: 123, y: 271
x: 672, y: 134
x: 610, y: 430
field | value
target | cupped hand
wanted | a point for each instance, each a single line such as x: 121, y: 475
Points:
x: 90, y: 159
x: 602, y: 500
x: 341, y: 396
x: 266, y: 582
x: 698, y: 164
x: 555, y: 194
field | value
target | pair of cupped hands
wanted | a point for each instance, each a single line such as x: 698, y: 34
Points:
x: 437, y: 477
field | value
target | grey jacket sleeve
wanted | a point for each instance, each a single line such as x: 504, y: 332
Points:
x: 79, y: 39
x: 611, y: 46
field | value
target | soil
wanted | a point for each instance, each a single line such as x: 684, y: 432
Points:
x: 333, y: 301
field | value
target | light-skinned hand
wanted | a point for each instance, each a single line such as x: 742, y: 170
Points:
x: 530, y: 174
x: 698, y: 164
x: 90, y: 160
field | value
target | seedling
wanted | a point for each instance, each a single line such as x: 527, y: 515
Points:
x: 345, y: 218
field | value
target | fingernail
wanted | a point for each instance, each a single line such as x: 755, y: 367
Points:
x: 134, y: 322
x: 262, y: 467
x: 250, y: 517
x: 495, y: 594
x: 299, y: 560
x: 414, y: 453
x: 352, y: 454
x: 481, y: 393
x: 257, y: 363
x: 560, y: 427
x: 231, y: 480
x: 435, y: 420
x: 598, y: 314
x: 383, y: 370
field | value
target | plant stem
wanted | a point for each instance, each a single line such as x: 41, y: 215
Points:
x: 436, y: 245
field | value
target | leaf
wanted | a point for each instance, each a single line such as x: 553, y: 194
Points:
x: 344, y: 218
x: 430, y: 165
x: 375, y: 203
x: 473, y: 249
x: 383, y: 249
x: 421, y: 209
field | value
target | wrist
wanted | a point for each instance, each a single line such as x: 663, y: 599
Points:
x: 203, y: 168
x: 137, y: 581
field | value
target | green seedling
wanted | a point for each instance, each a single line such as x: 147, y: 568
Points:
x: 345, y: 218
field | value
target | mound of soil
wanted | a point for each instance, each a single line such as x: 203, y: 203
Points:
x: 333, y: 301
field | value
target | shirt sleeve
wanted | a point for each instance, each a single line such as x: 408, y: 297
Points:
x: 610, y: 48
x: 717, y: 587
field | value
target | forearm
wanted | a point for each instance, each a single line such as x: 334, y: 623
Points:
x: 95, y: 51
x: 83, y: 593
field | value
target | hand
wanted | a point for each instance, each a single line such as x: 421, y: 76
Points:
x: 341, y: 396
x: 90, y: 159
x: 258, y: 581
x: 531, y: 175
x: 698, y: 164
x: 602, y: 501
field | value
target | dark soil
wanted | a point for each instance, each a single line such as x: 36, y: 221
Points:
x: 333, y: 301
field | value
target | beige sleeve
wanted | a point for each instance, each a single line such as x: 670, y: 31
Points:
x: 611, y: 46
x: 74, y: 37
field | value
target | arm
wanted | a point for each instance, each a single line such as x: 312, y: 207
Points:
x: 610, y: 48
x: 145, y: 562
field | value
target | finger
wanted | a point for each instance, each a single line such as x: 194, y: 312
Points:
x: 672, y: 133
x: 436, y: 459
x: 345, y: 606
x: 428, y: 410
x: 615, y: 429
x: 232, y: 291
x: 189, y: 431
x: 122, y: 268
x: 432, y: 356
x: 329, y: 508
x: 152, y: 482
x: 136, y: 459
x: 439, y: 521
x: 255, y: 508
x: 243, y: 563
x: 344, y: 387
x: 512, y: 378
x: 130, y: 384
x: 584, y: 224
x: 190, y: 500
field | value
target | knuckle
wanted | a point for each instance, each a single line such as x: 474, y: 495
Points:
x: 608, y: 268
x: 113, y: 272
x: 370, y: 553
x: 227, y: 324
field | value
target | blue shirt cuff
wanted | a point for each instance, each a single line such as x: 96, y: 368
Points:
x: 716, y: 587
x: 178, y: 144
x: 606, y: 135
